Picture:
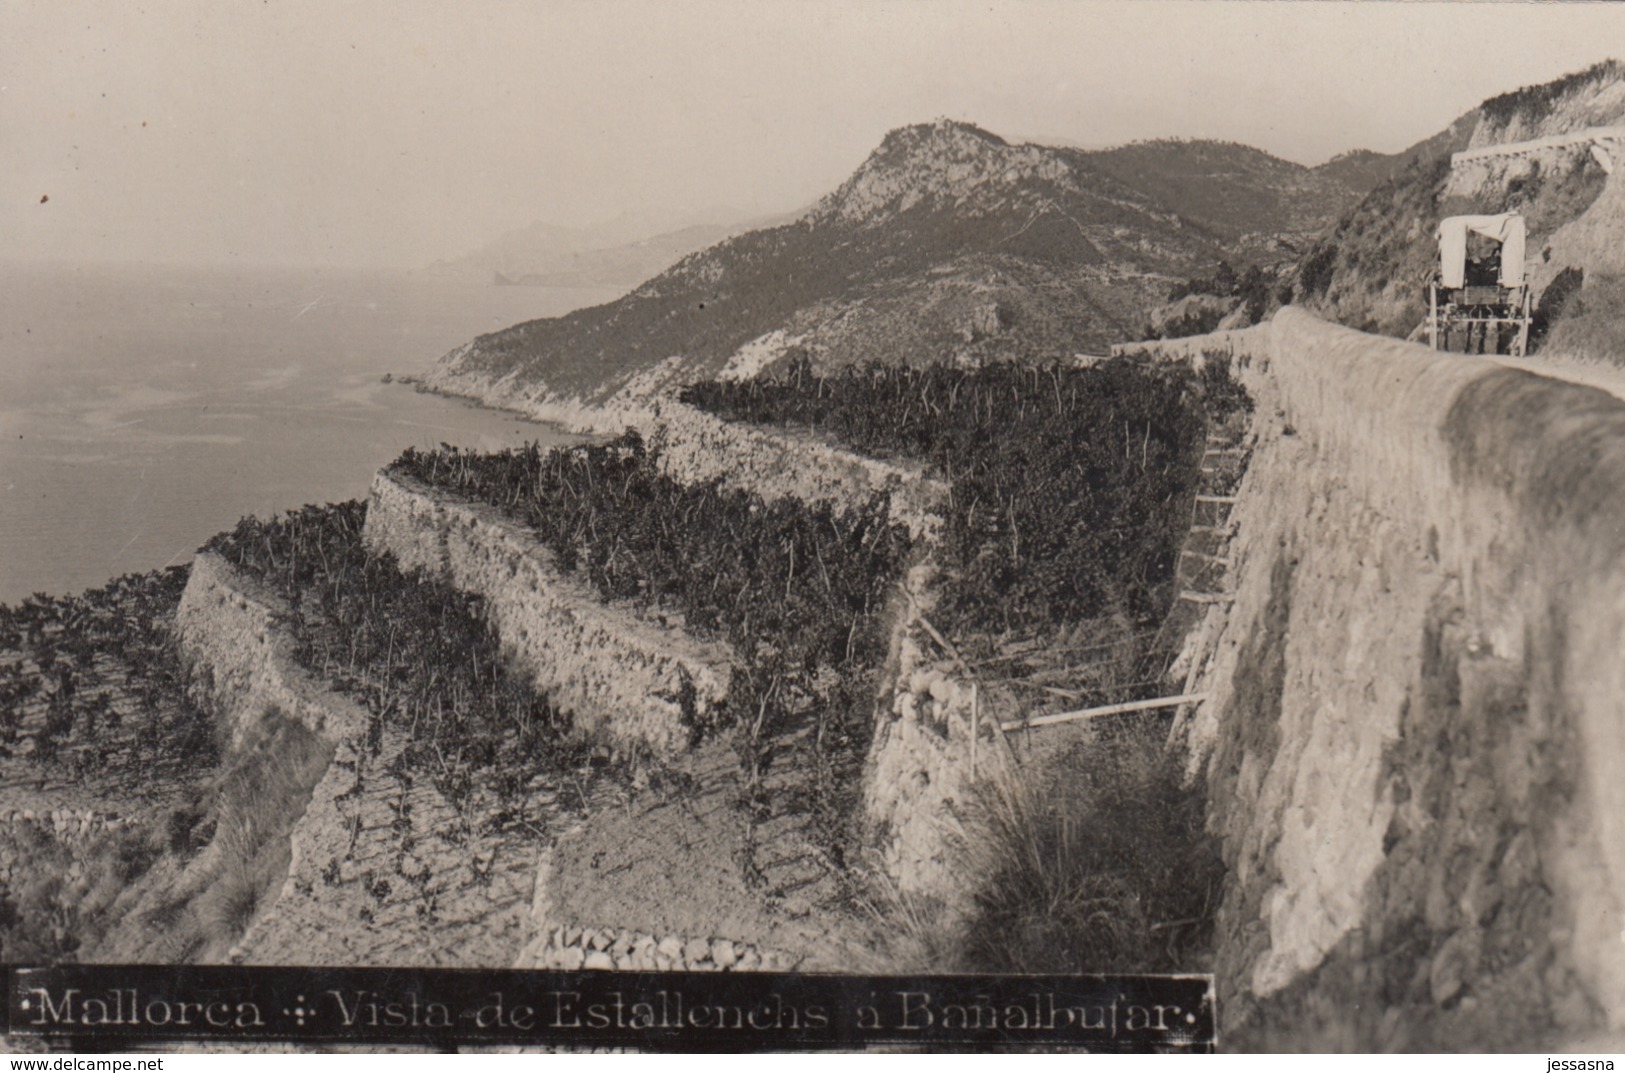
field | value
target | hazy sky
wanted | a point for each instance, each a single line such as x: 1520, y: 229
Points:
x: 394, y: 132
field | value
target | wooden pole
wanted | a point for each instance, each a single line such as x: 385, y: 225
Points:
x: 1199, y: 655
x: 1207, y: 597
x: 1433, y: 315
x: 1523, y: 327
x: 975, y: 724
x: 1109, y: 709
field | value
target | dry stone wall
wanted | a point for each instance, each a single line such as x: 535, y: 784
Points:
x: 64, y: 823
x: 570, y: 949
x: 226, y: 626
x: 696, y: 447
x: 604, y: 890
x: 922, y: 770
x: 1415, y: 729
x: 383, y: 869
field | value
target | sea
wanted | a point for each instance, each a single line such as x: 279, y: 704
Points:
x: 143, y: 409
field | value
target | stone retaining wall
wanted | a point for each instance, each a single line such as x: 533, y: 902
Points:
x: 622, y: 675
x: 569, y: 949
x: 227, y: 632
x: 68, y: 822
x: 696, y: 447
x: 382, y: 870
x: 1415, y: 725
x: 918, y: 782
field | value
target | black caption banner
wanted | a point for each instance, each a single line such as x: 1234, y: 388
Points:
x: 112, y: 1004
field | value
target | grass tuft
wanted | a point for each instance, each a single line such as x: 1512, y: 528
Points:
x: 259, y: 799
x: 1106, y: 869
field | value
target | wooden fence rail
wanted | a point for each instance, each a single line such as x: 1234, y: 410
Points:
x: 1104, y: 710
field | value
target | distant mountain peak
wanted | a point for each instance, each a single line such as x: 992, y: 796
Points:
x: 940, y: 162
x: 939, y: 134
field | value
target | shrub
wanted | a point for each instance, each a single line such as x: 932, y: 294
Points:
x: 256, y: 802
x: 1554, y: 303
x: 1317, y: 270
x: 1590, y: 329
x: 236, y: 895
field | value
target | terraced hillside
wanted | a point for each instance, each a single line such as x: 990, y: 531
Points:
x: 828, y: 771
x: 599, y: 707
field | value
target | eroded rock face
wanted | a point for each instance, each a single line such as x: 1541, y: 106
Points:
x: 938, y: 162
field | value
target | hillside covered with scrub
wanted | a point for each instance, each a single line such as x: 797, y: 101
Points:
x: 1371, y: 268
x: 947, y: 245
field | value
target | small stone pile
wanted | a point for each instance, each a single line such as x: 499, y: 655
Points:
x: 571, y: 949
x: 67, y: 822
x: 932, y: 695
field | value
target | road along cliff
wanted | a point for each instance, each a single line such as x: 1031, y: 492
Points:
x: 1414, y: 732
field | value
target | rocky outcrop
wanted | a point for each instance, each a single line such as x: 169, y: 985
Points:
x: 454, y: 378
x: 1591, y: 98
x: 941, y: 162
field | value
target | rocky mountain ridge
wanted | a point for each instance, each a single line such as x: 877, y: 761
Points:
x: 947, y: 244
